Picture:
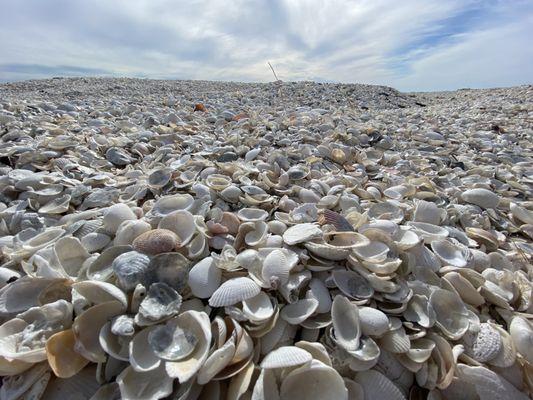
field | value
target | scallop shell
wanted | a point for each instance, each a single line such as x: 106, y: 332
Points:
x: 131, y: 268
x: 276, y: 269
x: 483, y: 345
x: 234, y: 291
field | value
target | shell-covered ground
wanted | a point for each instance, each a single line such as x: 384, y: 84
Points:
x: 215, y: 240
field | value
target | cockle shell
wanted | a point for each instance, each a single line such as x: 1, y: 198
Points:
x: 301, y: 233
x: 204, y: 278
x: 156, y: 241
x: 286, y: 356
x: 233, y: 291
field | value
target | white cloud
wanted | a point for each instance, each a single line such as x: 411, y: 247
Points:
x: 368, y: 41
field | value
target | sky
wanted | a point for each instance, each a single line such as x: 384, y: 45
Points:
x: 412, y: 45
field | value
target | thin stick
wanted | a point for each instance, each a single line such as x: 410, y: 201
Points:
x: 274, y: 72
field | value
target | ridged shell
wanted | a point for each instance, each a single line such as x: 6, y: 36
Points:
x: 204, y: 278
x: 234, y: 291
x: 483, y: 345
x: 156, y: 241
x: 373, y: 322
x: 378, y: 386
x: 116, y: 215
x: 286, y: 356
x: 276, y: 269
x: 130, y: 269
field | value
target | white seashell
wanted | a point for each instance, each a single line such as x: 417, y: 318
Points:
x: 181, y: 222
x: 464, y: 288
x: 151, y: 385
x: 116, y: 215
x: 489, y: 385
x: 426, y: 211
x: 483, y: 345
x: 481, y: 197
x: 129, y: 230
x: 521, y: 332
x: 216, y: 362
x: 299, y: 311
x: 234, y: 291
x: 95, y: 241
x: 377, y: 386
x: 141, y: 355
x: 168, y: 204
x: 451, y: 314
x: 100, y: 292
x: 328, y: 384
x: 276, y: 269
x: 198, y: 324
x: 171, y: 342
x: 352, y: 284
x: 448, y: 253
x: 374, y: 252
x: 204, y: 278
x: 258, y: 308
x: 522, y: 214
x: 266, y: 387
x: 429, y: 232
x: 252, y: 214
x: 7, y: 276
x: 319, y: 291
x: 286, y: 356
x: 116, y: 346
x: 346, y: 324
x: 301, y: 233
x: 372, y: 321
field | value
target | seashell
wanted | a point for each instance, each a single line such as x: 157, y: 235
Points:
x: 234, y: 291
x: 15, y: 387
x: 346, y: 323
x: 374, y: 252
x: 301, y: 233
x: 95, y: 241
x: 151, y: 385
x: 217, y: 361
x: 521, y: 332
x: 352, y: 284
x: 141, y: 354
x: 102, y: 267
x: 372, y: 321
x: 386, y: 210
x: 198, y: 324
x: 116, y: 346
x: 488, y: 384
x: 522, y: 214
x: 129, y: 230
x: 258, y: 308
x: 297, y: 312
x: 159, y: 177
x: 156, y: 241
x: 420, y: 350
x: 265, y: 386
x: 204, y: 278
x: 319, y: 291
x: 252, y: 214
x: 481, y: 197
x: 428, y: 212
x: 276, y: 269
x: 62, y: 357
x: 171, y: 269
x: 327, y: 382
x: 116, y: 215
x: 122, y: 325
x: 483, y: 345
x: 58, y: 205
x: 131, y: 268
x: 451, y: 314
x: 464, y: 288
x: 161, y: 302
x: 377, y: 386
x: 448, y: 253
x: 87, y: 326
x: 98, y: 292
x: 180, y: 222
x: 168, y: 204
x: 286, y: 356
x: 428, y: 232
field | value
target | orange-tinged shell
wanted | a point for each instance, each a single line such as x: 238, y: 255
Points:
x: 156, y: 241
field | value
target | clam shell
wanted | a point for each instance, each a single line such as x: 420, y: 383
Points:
x: 151, y: 385
x: 345, y: 317
x: 100, y: 292
x: 131, y: 268
x: 258, y: 308
x: 234, y: 291
x: 286, y: 356
x: 156, y: 241
x: 521, y: 332
x: 372, y: 321
x: 116, y: 215
x: 483, y: 345
x: 297, y: 312
x: 327, y: 382
x: 481, y: 197
x: 141, y: 355
x: 204, y: 278
x: 301, y: 233
x: 352, y: 284
x: 180, y: 222
x: 448, y: 253
x: 62, y: 358
x: 276, y: 269
x: 161, y: 302
x: 451, y: 314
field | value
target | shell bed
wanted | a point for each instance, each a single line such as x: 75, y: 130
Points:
x: 280, y: 241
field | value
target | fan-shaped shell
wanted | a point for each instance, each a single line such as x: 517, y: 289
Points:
x: 130, y: 269
x: 234, y: 291
x: 301, y: 233
x: 276, y: 269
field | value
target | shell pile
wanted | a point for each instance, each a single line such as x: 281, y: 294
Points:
x: 201, y: 240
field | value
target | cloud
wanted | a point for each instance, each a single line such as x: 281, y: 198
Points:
x: 412, y: 44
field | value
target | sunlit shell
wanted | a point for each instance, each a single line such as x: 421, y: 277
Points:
x: 373, y: 322
x: 63, y: 359
x: 130, y: 269
x: 297, y: 312
x: 301, y: 233
x: 451, y: 314
x: 160, y: 303
x: 276, y: 269
x: 346, y: 323
x: 376, y: 386
x: 204, y: 278
x: 234, y: 291
x: 116, y: 215
x: 156, y: 241
x: 448, y: 253
x: 481, y: 197
x: 287, y: 356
